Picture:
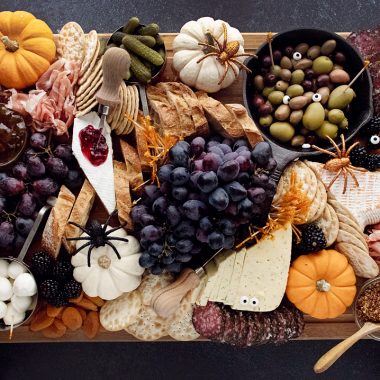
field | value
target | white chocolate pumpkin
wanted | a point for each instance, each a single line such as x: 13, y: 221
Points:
x: 206, y: 74
x: 108, y: 277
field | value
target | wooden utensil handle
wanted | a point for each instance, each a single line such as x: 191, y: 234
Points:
x: 116, y: 63
x: 167, y: 300
x: 330, y: 357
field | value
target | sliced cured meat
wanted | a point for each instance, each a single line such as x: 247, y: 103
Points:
x: 208, y: 320
x: 243, y: 330
x: 229, y: 331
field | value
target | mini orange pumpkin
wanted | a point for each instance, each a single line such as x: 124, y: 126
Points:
x: 26, y: 49
x: 321, y: 284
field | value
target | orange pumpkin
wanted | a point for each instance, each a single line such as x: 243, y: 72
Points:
x: 321, y: 284
x: 26, y: 49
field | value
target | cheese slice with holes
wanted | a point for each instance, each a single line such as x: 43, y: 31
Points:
x: 235, y: 277
x: 265, y: 273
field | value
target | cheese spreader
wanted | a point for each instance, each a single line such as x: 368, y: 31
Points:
x: 167, y: 300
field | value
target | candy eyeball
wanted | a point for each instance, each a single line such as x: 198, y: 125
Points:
x: 286, y: 99
x: 297, y: 56
x: 254, y: 301
x: 374, y: 140
x: 244, y: 300
x: 316, y: 97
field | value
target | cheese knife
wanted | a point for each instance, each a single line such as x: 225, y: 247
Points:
x: 167, y: 300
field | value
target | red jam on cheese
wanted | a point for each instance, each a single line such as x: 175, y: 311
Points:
x: 94, y: 145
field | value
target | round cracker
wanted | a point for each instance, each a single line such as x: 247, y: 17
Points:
x: 91, y: 70
x: 125, y: 105
x: 85, y: 111
x: 318, y: 203
x: 151, y: 283
x: 90, y: 94
x: 93, y: 78
x: 71, y: 42
x: 119, y: 108
x: 128, y: 110
x: 329, y: 224
x: 148, y: 325
x: 134, y: 110
x: 117, y: 314
x: 91, y: 42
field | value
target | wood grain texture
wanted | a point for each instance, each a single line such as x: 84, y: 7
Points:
x: 338, y: 328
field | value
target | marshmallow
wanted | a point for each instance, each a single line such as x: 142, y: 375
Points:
x: 5, y: 289
x: 3, y: 309
x: 25, y: 285
x: 15, y: 269
x: 4, y: 268
x: 12, y: 317
x: 21, y: 304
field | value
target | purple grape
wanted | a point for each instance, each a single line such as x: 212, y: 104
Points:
x: 271, y: 165
x: 174, y: 267
x: 3, y: 175
x: 27, y: 204
x: 45, y: 186
x: 197, y: 248
x: 64, y: 152
x: 173, y: 216
x: 194, y: 210
x: 150, y: 233
x: 19, y: 241
x: 227, y: 227
x: 184, y: 145
x: 179, y: 193
x: 219, y: 199
x: 171, y: 239
x: 146, y: 260
x: 225, y: 148
x: 245, y: 153
x: 156, y: 269
x: 261, y: 153
x: 201, y: 236
x: 56, y: 167
x: 236, y: 191
x: 257, y: 195
x: 145, y: 244
x: 179, y: 176
x: 229, y: 242
x: 241, y: 149
x: 155, y: 249
x: 30, y: 152
x: 244, y: 163
x: 178, y: 156
x: 38, y: 140
x: 211, y: 162
x: 194, y: 196
x: 205, y: 224
x: 184, y: 229
x: 35, y: 167
x: 23, y: 225
x: 73, y: 180
x: 216, y: 240
x: 137, y: 212
x: 147, y: 219
x: 159, y: 206
x: 164, y: 172
x: 12, y: 186
x: 245, y: 206
x: 260, y: 180
x: 207, y: 182
x: 194, y: 177
x: 184, y: 257
x: 165, y: 188
x: 228, y: 171
x: 231, y: 209
x: 227, y: 141
x: 230, y: 156
x: 197, y: 165
x: 3, y: 202
x: 244, y: 178
x: 20, y: 171
x: 239, y: 143
x: 152, y: 192
x: 166, y: 260
x: 184, y: 245
x: 7, y: 234
x: 211, y: 143
x: 215, y: 149
x: 197, y: 146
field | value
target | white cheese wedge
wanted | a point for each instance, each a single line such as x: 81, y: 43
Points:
x: 101, y: 177
x: 235, y: 278
x: 219, y: 262
x: 211, y: 271
x: 265, y: 273
x: 228, y: 267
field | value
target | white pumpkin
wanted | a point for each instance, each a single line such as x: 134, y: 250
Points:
x: 206, y: 74
x: 108, y: 277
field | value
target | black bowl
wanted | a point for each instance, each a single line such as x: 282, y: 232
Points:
x: 361, y: 107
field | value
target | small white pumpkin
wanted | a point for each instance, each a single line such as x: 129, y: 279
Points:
x: 108, y: 277
x: 206, y: 74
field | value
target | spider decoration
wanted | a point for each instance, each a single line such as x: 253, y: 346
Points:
x: 226, y: 53
x: 98, y: 236
x: 340, y: 163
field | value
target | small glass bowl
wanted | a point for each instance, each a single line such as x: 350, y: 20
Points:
x: 359, y: 322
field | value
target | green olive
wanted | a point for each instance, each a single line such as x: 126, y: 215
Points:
x: 327, y: 129
x: 298, y: 140
x: 328, y: 47
x: 282, y: 112
x: 322, y: 65
x: 276, y: 70
x: 302, y: 48
x: 275, y: 97
x: 298, y: 102
x: 294, y: 90
x: 285, y: 75
x: 267, y: 91
x: 336, y: 116
x: 295, y: 117
x: 313, y: 116
x: 344, y: 123
x: 314, y: 52
x: 281, y: 85
x: 340, y: 97
x: 266, y: 121
x: 286, y: 63
x: 258, y: 81
x: 282, y: 131
x: 298, y: 77
x: 339, y: 76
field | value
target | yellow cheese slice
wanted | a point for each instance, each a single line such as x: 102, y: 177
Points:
x: 220, y: 264
x: 235, y: 278
x: 211, y: 271
x: 228, y: 267
x: 265, y: 273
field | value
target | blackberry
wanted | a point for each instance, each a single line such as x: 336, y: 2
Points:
x: 359, y: 157
x: 58, y: 300
x: 49, y: 289
x: 312, y: 239
x: 373, y: 127
x: 373, y: 162
x: 42, y: 264
x: 62, y: 271
x: 72, y: 289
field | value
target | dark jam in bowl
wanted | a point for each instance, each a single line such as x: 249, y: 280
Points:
x: 13, y: 135
x: 94, y: 145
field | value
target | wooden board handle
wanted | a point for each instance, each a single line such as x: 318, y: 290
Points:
x: 330, y: 357
x: 167, y: 300
x: 116, y: 63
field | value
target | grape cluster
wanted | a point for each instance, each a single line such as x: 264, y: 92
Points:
x: 208, y: 190
x: 25, y: 186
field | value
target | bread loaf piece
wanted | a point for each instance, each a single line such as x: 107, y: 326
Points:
x: 79, y: 214
x: 123, y: 195
x: 55, y: 226
x: 133, y: 164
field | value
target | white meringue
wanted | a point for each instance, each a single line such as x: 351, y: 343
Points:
x: 15, y: 269
x: 21, y: 304
x: 3, y: 309
x: 12, y: 317
x: 25, y: 285
x: 4, y: 268
x: 5, y: 289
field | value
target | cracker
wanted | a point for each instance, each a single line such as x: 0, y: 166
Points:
x: 137, y: 103
x: 91, y: 94
x: 347, y: 233
x: 117, y: 314
x: 71, y: 42
x: 151, y: 283
x: 118, y: 108
x: 133, y: 112
x: 318, y: 203
x: 128, y: 111
x: 85, y: 111
x: 97, y: 65
x: 125, y: 104
x: 91, y: 43
x: 94, y: 78
x: 329, y: 224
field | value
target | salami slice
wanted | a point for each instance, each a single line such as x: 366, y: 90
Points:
x: 243, y: 329
x: 228, y: 333
x: 208, y: 320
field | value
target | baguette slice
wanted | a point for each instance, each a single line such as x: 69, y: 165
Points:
x: 55, y: 226
x: 252, y: 133
x: 79, y: 214
x: 220, y: 119
x: 133, y: 164
x: 123, y: 195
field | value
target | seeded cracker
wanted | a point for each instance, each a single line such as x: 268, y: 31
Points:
x: 91, y: 43
x: 71, y: 42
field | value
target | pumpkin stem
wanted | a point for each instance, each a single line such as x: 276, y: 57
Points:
x: 104, y: 262
x: 10, y: 45
x: 323, y: 286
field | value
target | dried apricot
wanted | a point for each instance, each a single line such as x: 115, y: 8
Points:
x: 53, y: 311
x: 60, y: 325
x: 91, y: 324
x: 41, y: 320
x: 53, y: 332
x: 87, y: 304
x: 76, y: 300
x: 72, y: 318
x: 96, y: 300
x: 82, y: 312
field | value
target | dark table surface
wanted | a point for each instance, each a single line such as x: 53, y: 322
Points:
x: 192, y: 360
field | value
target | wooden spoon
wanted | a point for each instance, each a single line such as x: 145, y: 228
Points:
x: 330, y: 357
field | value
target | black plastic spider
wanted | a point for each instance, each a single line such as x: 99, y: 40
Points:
x: 98, y: 236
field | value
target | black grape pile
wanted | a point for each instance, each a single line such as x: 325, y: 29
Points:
x: 25, y: 187
x: 208, y: 190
